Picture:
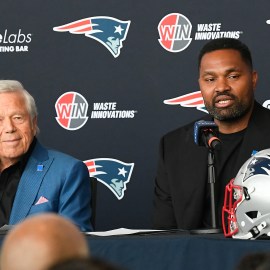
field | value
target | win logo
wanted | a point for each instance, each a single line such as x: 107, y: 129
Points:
x: 71, y: 109
x: 174, y: 32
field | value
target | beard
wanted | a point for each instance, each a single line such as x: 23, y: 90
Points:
x: 231, y: 113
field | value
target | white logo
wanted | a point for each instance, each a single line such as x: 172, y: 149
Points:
x: 207, y: 31
x: 14, y: 42
x: 266, y: 104
x: 103, y: 110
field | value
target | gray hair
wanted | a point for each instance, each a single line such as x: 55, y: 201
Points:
x: 8, y: 86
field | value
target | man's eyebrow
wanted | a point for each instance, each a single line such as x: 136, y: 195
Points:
x: 213, y: 72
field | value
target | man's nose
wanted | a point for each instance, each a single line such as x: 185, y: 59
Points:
x: 8, y: 125
x: 222, y: 85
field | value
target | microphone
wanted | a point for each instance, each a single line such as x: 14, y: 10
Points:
x: 205, y: 134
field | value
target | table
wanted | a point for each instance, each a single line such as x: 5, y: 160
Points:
x: 173, y: 251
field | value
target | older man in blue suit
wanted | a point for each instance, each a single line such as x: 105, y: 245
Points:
x: 35, y: 179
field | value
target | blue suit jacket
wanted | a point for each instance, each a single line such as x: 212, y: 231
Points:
x: 60, y: 179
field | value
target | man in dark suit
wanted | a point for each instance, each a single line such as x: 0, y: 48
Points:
x: 35, y: 179
x: 227, y: 82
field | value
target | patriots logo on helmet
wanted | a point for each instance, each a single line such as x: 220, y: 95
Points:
x: 113, y: 173
x: 266, y: 104
x: 257, y: 165
x: 193, y: 99
x: 109, y: 31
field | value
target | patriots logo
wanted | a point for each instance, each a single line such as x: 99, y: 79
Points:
x: 109, y: 31
x: 266, y: 104
x: 113, y: 173
x: 193, y: 99
x: 257, y: 165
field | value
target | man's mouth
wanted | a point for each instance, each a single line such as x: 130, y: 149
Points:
x: 11, y: 140
x: 223, y: 101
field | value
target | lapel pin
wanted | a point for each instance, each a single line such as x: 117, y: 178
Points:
x: 40, y: 168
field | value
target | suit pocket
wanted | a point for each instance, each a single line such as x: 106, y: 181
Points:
x: 43, y: 207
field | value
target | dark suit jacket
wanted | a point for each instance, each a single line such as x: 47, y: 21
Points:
x: 181, y: 180
x: 53, y: 182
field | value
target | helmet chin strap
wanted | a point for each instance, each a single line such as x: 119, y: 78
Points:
x: 254, y: 232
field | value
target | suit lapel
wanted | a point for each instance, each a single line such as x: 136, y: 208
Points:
x: 30, y: 183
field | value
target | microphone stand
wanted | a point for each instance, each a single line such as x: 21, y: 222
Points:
x: 211, y: 182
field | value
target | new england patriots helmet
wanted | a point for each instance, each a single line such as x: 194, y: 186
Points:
x: 246, y: 209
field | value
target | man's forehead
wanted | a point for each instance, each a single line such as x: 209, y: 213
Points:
x: 228, y: 60
x: 11, y: 106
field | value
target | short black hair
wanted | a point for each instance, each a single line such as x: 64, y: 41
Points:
x: 227, y: 43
